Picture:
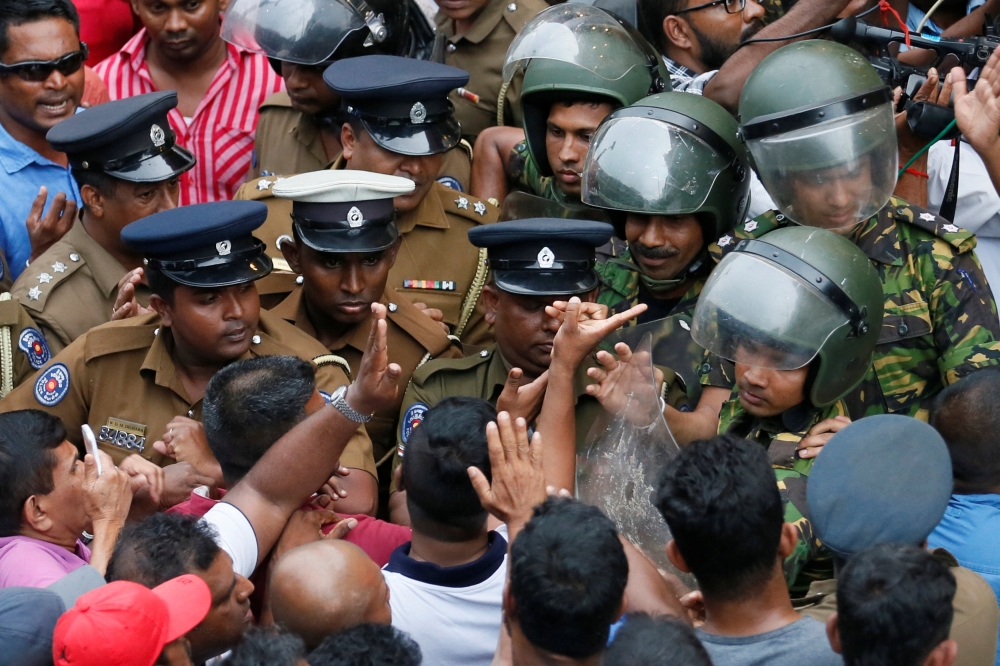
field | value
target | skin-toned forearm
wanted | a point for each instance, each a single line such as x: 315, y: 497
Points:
x: 726, y: 86
x: 992, y: 161
x: 970, y: 25
x: 646, y: 591
x: 362, y: 494
x: 489, y: 169
x: 105, y: 537
x: 911, y: 187
x: 557, y: 425
x: 292, y: 469
x: 703, y: 422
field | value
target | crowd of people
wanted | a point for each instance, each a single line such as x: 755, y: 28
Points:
x: 489, y: 332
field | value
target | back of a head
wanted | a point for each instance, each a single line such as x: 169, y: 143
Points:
x: 894, y: 605
x: 162, y: 547
x: 19, y: 12
x: 251, y: 404
x: 367, y: 645
x: 451, y: 438
x: 567, y: 578
x: 267, y: 646
x: 967, y: 415
x: 322, y: 588
x: 27, y: 439
x: 655, y: 641
x: 721, y: 502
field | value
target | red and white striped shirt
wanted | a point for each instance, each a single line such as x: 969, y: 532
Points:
x: 221, y: 134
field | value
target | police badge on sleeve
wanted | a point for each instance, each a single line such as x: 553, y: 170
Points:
x: 52, y: 385
x: 411, y: 419
x: 33, y: 344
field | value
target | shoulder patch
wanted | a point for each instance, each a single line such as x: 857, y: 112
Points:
x: 411, y: 419
x: 954, y: 235
x: 52, y: 385
x: 33, y: 344
x: 447, y: 181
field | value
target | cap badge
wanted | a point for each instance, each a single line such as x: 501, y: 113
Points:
x: 224, y: 247
x: 157, y: 135
x: 546, y: 258
x: 354, y: 217
x: 418, y: 114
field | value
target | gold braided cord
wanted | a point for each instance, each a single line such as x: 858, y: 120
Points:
x: 472, y: 297
x: 6, y: 357
x: 333, y: 359
x: 500, y: 102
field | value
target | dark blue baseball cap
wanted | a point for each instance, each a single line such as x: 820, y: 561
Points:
x: 402, y: 102
x: 28, y: 617
x: 543, y: 256
x: 882, y: 479
x: 203, y: 245
x: 129, y: 139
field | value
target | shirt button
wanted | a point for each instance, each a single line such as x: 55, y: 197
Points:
x: 484, y: 353
x: 902, y: 329
x: 74, y: 257
x: 706, y: 367
x: 255, y: 339
x: 393, y: 307
x: 190, y: 413
x: 452, y: 48
x: 512, y: 7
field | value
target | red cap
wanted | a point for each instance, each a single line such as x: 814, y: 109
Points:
x: 126, y: 623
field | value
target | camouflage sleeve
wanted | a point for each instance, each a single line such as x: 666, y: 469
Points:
x: 963, y: 312
x: 523, y: 170
x: 717, y: 371
x: 810, y: 560
x: 619, y: 286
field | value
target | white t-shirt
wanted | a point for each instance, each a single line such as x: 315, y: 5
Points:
x: 453, y: 613
x: 235, y: 536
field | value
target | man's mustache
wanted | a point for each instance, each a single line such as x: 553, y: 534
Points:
x: 654, y: 252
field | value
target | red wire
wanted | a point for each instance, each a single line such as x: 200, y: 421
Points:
x: 887, y: 9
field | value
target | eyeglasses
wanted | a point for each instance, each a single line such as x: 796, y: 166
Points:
x: 36, y: 71
x: 732, y: 6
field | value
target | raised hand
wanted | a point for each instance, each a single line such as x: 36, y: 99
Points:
x: 978, y: 111
x: 377, y: 383
x: 144, y: 476
x: 583, y: 327
x: 126, y: 304
x: 627, y: 384
x: 819, y: 435
x: 185, y: 441
x: 520, y: 398
x: 45, y: 230
x: 434, y: 314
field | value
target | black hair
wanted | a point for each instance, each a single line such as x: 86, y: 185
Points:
x: 251, y: 404
x: 894, y: 606
x: 267, y: 646
x: 100, y: 181
x: 653, y: 13
x: 367, y: 645
x: 655, y: 641
x: 721, y: 502
x: 568, y: 572
x: 161, y: 547
x: 19, y: 12
x: 27, y: 440
x: 160, y: 284
x: 967, y: 414
x: 451, y: 438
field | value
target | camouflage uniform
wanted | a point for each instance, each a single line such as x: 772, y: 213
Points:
x: 780, y: 435
x: 524, y: 172
x: 773, y: 10
x: 940, y: 319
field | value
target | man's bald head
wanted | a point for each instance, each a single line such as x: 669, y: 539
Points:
x: 325, y: 587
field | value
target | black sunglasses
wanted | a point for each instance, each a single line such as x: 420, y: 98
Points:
x: 40, y: 70
x: 732, y: 6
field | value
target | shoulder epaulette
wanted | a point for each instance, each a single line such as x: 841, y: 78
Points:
x: 277, y: 282
x: 522, y: 12
x: 921, y: 218
x: 44, y: 274
x: 278, y: 99
x: 754, y: 228
x: 121, y: 336
x: 421, y: 374
x: 256, y: 189
x: 467, y: 206
x: 10, y: 310
x: 418, y: 326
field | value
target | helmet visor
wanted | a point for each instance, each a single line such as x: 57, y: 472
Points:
x: 757, y: 313
x: 577, y: 34
x: 645, y: 165
x: 832, y: 175
x: 306, y: 32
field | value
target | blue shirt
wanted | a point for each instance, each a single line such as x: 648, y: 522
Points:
x: 970, y: 530
x: 22, y: 172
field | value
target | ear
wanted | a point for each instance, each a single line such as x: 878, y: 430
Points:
x: 675, y: 557
x: 290, y: 251
x: 678, y: 33
x: 943, y: 655
x: 347, y: 140
x: 34, y: 516
x: 491, y: 301
x: 93, y: 201
x: 162, y: 308
x: 789, y: 539
x: 833, y: 634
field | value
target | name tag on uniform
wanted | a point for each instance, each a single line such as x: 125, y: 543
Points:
x: 437, y: 285
x: 123, y: 434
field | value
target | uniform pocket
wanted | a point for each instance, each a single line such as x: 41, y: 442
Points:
x: 905, y: 356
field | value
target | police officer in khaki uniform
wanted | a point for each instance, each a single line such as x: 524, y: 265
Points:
x: 400, y: 122
x: 478, y: 36
x: 22, y: 346
x: 128, y: 379
x: 345, y: 241
x: 534, y: 262
x: 124, y: 158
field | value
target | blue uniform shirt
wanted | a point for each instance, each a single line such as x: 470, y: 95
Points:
x: 22, y: 172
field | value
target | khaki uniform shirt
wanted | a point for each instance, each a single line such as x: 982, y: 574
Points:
x: 973, y: 627
x: 121, y: 379
x: 72, y: 287
x: 289, y: 142
x: 436, y: 263
x: 481, y: 52
x: 22, y: 347
x: 412, y: 338
x: 5, y: 280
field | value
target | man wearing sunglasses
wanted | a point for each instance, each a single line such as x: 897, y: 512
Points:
x: 41, y: 83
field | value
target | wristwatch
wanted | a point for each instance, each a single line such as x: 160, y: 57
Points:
x: 338, y: 401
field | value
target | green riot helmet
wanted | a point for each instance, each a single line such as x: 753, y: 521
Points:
x: 575, y: 52
x: 790, y: 298
x: 819, y: 124
x: 670, y: 154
